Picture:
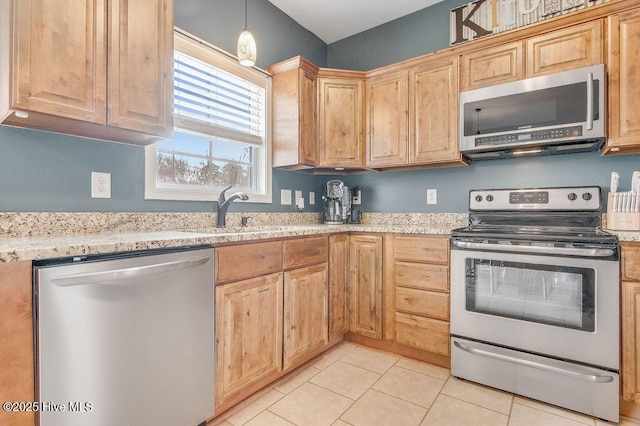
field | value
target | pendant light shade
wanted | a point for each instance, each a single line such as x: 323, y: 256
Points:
x: 247, y: 50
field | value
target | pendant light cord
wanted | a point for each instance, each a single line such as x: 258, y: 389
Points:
x: 245, y: 13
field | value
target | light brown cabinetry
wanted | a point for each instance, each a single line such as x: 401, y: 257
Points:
x: 340, y: 120
x: 16, y: 335
x: 433, y: 113
x: 568, y: 48
x: 294, y: 137
x: 338, y: 287
x: 96, y: 68
x: 387, y: 120
x: 623, y: 67
x: 365, y: 285
x: 305, y: 313
x: 630, y: 315
x: 418, y: 292
x: 248, y: 336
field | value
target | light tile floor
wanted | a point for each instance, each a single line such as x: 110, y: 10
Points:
x: 355, y: 385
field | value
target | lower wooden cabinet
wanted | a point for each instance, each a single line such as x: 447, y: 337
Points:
x: 248, y: 336
x: 338, y: 289
x: 630, y: 322
x: 16, y: 335
x: 305, y: 313
x: 365, y: 280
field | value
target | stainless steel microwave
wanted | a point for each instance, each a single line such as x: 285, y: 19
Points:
x: 552, y: 114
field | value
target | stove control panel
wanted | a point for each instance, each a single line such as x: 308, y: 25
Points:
x: 576, y: 198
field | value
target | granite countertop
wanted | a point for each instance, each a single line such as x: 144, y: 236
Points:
x: 44, y: 247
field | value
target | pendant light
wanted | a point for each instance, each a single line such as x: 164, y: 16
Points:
x: 246, y: 44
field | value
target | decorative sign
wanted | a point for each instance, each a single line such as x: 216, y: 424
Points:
x: 485, y: 17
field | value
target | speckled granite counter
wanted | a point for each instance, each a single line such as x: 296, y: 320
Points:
x: 35, y: 247
x: 626, y: 236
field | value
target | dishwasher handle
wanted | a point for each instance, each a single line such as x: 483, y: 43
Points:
x: 120, y: 276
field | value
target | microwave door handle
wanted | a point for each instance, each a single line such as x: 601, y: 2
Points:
x: 589, y: 101
x: 567, y: 251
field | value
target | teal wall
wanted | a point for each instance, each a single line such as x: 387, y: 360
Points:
x: 42, y: 171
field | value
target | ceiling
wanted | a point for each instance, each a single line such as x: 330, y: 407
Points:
x: 333, y: 20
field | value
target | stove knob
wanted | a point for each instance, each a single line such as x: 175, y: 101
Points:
x: 489, y: 198
x: 572, y: 196
x: 587, y: 196
x: 478, y: 198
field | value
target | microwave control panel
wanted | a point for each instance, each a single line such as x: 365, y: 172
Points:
x: 574, y: 198
x: 531, y: 136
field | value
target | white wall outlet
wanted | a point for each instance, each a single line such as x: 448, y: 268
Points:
x: 285, y: 197
x: 100, y: 185
x: 298, y: 195
x: 312, y: 198
x: 357, y: 198
x: 432, y: 196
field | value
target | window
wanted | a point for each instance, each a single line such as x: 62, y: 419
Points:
x: 221, y: 136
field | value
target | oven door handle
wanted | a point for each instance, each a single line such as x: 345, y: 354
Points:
x: 598, y: 378
x: 567, y: 251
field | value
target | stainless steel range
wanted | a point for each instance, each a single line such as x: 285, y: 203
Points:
x: 535, y: 297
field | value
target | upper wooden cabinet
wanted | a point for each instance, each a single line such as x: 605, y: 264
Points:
x: 294, y: 129
x: 95, y: 68
x: 433, y: 113
x: 623, y: 65
x: 388, y: 120
x: 568, y: 48
x: 340, y: 120
x: 565, y: 49
x: 495, y: 65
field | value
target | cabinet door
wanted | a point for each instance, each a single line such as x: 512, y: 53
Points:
x: 340, y: 142
x: 630, y: 341
x: 624, y: 81
x: 248, y: 336
x: 308, y: 118
x: 495, y: 65
x: 305, y: 313
x: 387, y: 120
x: 569, y: 48
x: 365, y: 293
x: 338, y: 279
x: 16, y: 335
x: 141, y: 66
x: 59, y: 63
x: 434, y: 112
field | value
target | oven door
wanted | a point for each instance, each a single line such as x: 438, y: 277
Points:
x: 563, y: 307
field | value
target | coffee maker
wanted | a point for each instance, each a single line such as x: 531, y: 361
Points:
x: 337, y: 203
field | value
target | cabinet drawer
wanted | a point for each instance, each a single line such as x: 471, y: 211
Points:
x: 420, y: 302
x: 422, y: 276
x: 305, y: 251
x: 423, y: 333
x: 422, y: 249
x: 630, y: 262
x: 247, y: 260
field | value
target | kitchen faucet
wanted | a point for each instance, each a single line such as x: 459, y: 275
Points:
x: 223, y: 205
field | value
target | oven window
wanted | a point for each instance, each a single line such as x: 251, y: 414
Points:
x: 546, y: 294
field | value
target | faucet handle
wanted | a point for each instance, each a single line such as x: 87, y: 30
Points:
x: 221, y: 197
x: 244, y: 220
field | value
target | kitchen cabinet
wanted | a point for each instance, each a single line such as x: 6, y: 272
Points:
x: 338, y: 287
x: 630, y: 322
x: 16, y: 334
x: 248, y: 336
x: 340, y: 119
x: 418, y: 292
x: 623, y: 63
x: 94, y: 68
x: 559, y: 50
x: 305, y: 313
x: 365, y: 285
x: 294, y: 131
x: 433, y: 113
x: 387, y: 120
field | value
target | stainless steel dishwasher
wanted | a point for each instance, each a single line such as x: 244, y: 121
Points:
x: 126, y: 339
